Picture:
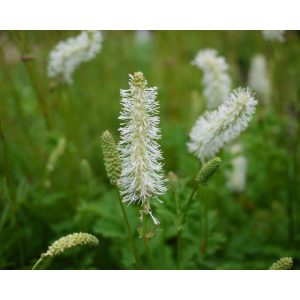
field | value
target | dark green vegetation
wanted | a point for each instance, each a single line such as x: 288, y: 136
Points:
x: 223, y: 230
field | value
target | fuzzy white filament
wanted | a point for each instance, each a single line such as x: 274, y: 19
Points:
x: 216, y: 128
x: 69, y: 54
x: 236, y: 177
x: 141, y: 176
x: 273, y: 35
x: 216, y: 81
x: 259, y: 79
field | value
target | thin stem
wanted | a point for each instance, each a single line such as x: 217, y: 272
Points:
x: 179, y: 232
x: 179, y: 243
x: 39, y: 94
x: 37, y: 263
x: 205, y: 227
x: 34, y: 79
x: 194, y: 191
x: 146, y: 241
x: 133, y: 247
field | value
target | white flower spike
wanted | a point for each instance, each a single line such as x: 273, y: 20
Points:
x: 273, y: 35
x: 236, y: 177
x: 259, y: 79
x: 69, y: 54
x: 141, y: 177
x: 216, y: 81
x: 142, y: 37
x: 216, y: 128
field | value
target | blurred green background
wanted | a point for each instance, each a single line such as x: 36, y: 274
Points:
x: 247, y: 230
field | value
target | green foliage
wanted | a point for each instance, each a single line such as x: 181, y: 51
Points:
x: 221, y: 230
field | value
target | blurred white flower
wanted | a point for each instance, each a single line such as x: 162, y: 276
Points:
x: 216, y: 81
x: 216, y: 128
x: 69, y: 54
x: 141, y: 176
x: 142, y: 36
x: 273, y: 35
x: 236, y: 177
x: 258, y: 78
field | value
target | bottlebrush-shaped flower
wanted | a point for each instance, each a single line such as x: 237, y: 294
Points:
x: 273, y: 35
x: 141, y: 176
x: 285, y: 263
x: 236, y: 177
x: 259, y: 79
x: 69, y: 54
x: 216, y: 81
x: 216, y: 128
x: 70, y: 241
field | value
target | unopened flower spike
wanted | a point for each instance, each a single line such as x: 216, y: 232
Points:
x: 69, y: 54
x: 142, y: 176
x: 111, y: 157
x: 207, y: 170
x: 216, y: 128
x: 285, y: 263
x: 56, y: 153
x: 68, y: 242
x: 216, y: 81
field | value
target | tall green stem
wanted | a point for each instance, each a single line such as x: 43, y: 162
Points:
x: 133, y: 247
x: 205, y: 227
x: 179, y: 231
x: 178, y: 244
x: 34, y: 79
x: 146, y: 241
x: 195, y: 189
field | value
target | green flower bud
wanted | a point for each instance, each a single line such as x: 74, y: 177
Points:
x: 111, y: 158
x: 285, y: 263
x: 207, y: 170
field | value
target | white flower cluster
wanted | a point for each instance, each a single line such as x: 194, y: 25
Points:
x: 69, y: 54
x: 273, y: 35
x: 259, y: 79
x: 141, y: 176
x: 216, y: 128
x: 216, y: 81
x: 236, y: 177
